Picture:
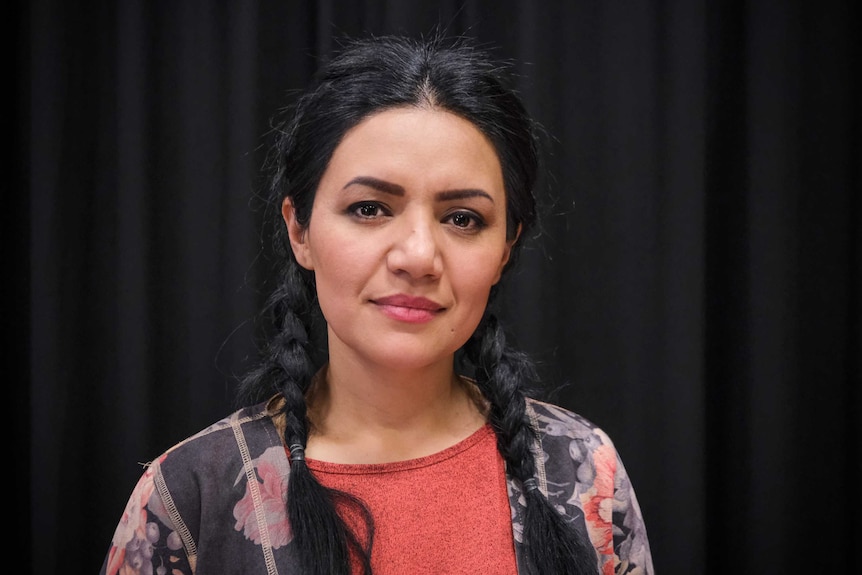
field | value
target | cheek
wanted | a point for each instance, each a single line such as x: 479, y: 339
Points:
x: 473, y: 289
x: 341, y: 267
x: 474, y: 281
x: 335, y: 287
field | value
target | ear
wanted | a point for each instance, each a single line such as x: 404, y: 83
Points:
x: 507, y: 253
x: 297, y: 235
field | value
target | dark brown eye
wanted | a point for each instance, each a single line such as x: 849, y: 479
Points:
x: 367, y: 210
x: 466, y: 220
x: 461, y: 220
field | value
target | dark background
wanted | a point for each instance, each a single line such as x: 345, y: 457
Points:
x: 696, y: 284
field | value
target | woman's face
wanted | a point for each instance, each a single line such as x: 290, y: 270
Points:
x: 406, y: 237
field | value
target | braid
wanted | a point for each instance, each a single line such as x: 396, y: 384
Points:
x: 551, y: 545
x: 286, y: 357
x: 502, y: 375
x: 325, y: 544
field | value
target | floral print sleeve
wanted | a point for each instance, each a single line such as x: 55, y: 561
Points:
x: 145, y: 543
x: 584, y: 476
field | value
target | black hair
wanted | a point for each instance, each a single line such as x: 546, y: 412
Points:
x: 367, y: 76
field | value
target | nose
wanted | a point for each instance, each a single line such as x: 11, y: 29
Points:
x: 415, y: 248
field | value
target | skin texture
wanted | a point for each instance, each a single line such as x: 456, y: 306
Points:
x: 406, y: 238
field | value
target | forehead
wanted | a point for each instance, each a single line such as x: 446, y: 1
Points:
x: 423, y: 146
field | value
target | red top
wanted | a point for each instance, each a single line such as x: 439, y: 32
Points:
x: 444, y: 513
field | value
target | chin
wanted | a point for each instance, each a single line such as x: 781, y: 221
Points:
x: 410, y: 358
x: 409, y: 362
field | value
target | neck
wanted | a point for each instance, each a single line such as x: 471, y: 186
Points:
x: 376, y: 416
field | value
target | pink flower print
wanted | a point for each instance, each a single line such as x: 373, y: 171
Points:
x: 272, y: 491
x: 598, y: 503
x: 132, y: 544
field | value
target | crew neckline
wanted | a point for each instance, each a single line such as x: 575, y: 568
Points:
x: 395, y: 466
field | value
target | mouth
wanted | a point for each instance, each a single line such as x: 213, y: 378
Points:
x: 410, y: 309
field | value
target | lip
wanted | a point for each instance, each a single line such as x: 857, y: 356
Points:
x: 407, y: 308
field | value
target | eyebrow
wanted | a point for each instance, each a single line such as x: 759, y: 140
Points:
x: 396, y: 190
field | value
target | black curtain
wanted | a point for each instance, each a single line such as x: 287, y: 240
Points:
x: 695, y: 288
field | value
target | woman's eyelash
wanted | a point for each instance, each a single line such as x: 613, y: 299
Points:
x: 367, y: 209
x: 466, y: 220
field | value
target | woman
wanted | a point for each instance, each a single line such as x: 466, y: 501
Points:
x: 404, y: 178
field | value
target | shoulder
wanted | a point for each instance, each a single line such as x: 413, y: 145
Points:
x: 221, y: 450
x: 201, y: 483
x: 583, y: 475
x: 551, y: 420
x: 208, y: 469
x: 575, y: 455
x: 194, y: 496
x: 572, y: 445
x: 252, y: 423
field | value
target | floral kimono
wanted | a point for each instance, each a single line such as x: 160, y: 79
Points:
x: 215, y: 503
